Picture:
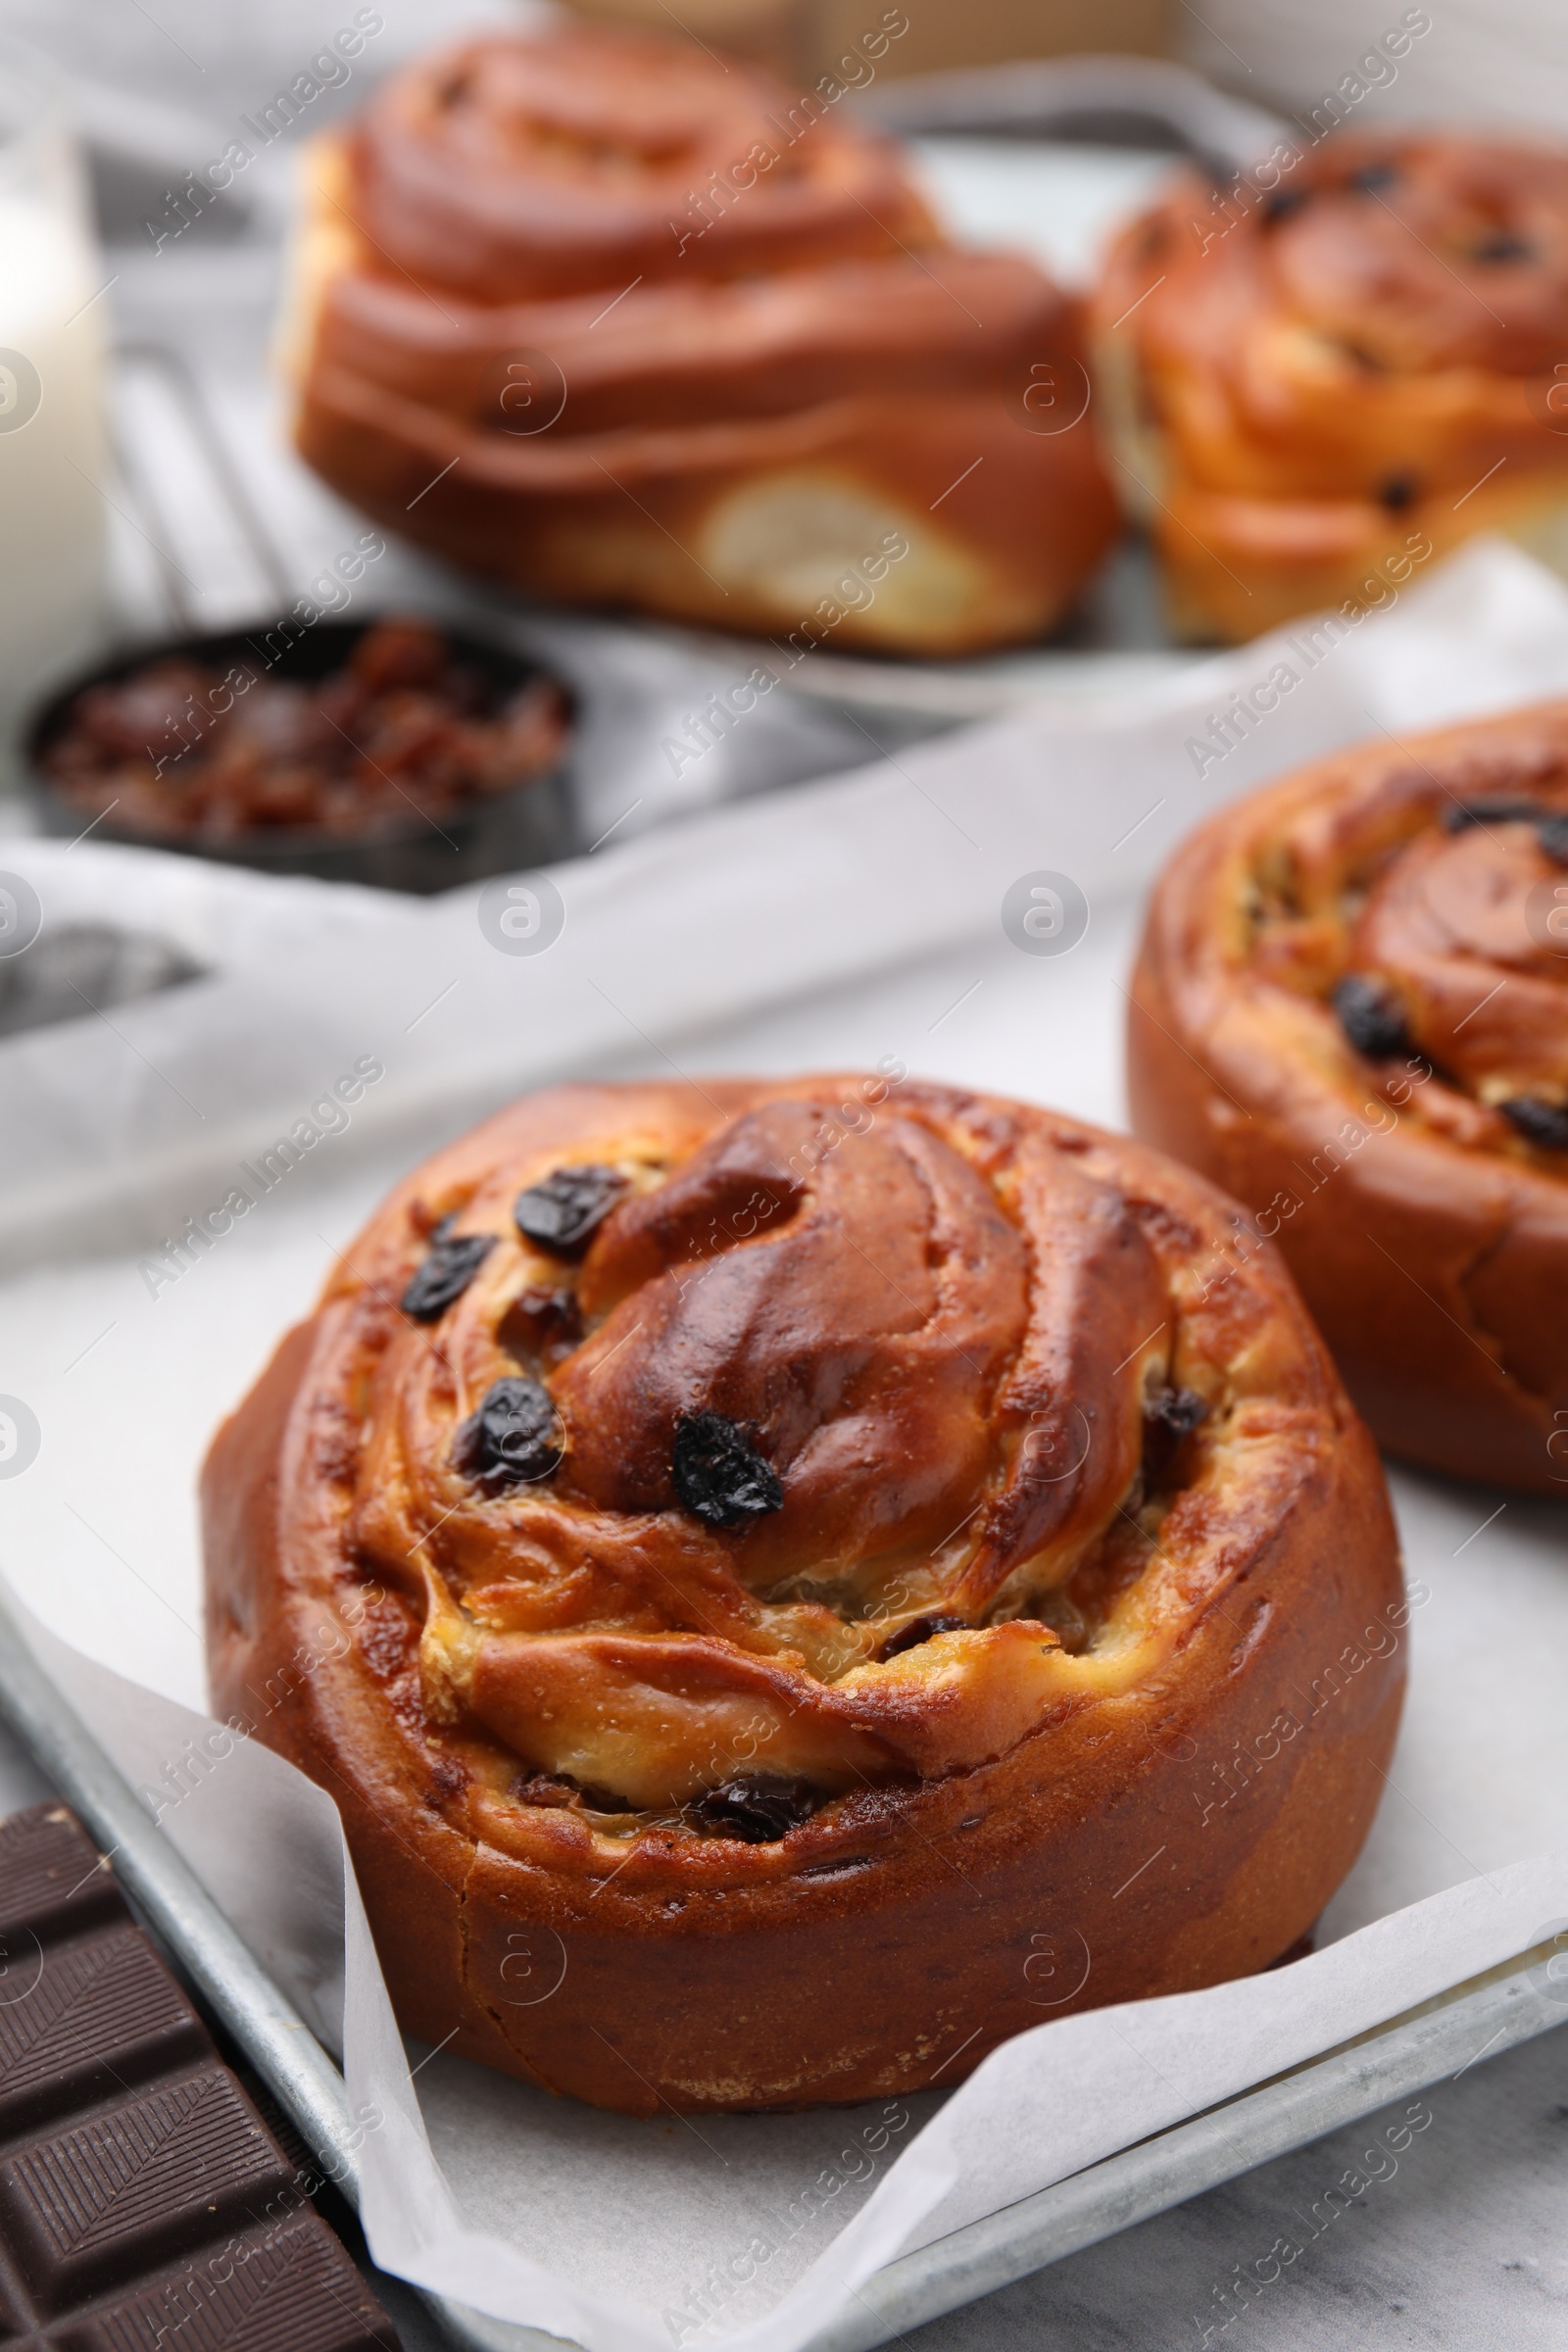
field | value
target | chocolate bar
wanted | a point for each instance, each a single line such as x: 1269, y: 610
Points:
x: 144, y: 2204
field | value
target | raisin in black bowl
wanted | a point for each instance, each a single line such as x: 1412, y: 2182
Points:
x: 387, y: 752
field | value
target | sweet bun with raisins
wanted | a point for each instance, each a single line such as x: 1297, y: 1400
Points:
x: 1351, y: 1011
x: 1316, y: 385
x: 798, y: 1548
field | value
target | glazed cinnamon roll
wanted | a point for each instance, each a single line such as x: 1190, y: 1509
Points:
x: 1351, y: 1011
x: 791, y: 1582
x: 605, y: 319
x: 1368, y: 356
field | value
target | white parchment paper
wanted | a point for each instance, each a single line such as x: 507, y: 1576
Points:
x: 830, y: 925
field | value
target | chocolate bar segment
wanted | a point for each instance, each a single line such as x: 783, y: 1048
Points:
x: 145, y: 2203
x: 280, y: 2290
x: 52, y: 1882
x: 86, y: 2019
x: 144, y: 2180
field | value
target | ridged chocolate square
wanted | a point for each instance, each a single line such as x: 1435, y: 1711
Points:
x: 52, y: 1882
x: 122, y: 2191
x: 86, y: 2019
x: 145, y: 2206
x: 285, y: 2289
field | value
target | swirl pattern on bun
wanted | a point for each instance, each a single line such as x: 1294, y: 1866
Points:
x: 1362, y: 364
x: 600, y: 317
x: 1351, y: 1011
x: 516, y: 169
x: 800, y: 1548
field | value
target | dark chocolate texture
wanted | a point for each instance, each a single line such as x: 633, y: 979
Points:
x: 143, y: 2201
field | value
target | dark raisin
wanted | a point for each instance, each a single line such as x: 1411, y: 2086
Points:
x: 512, y: 1440
x: 1500, y: 809
x: 552, y: 1790
x: 1373, y: 176
x: 546, y: 1790
x: 719, y: 1475
x: 1284, y: 202
x: 449, y: 1266
x: 1372, y: 1020
x: 1504, y: 246
x: 758, y: 1808
x: 595, y: 1799
x: 918, y: 1630
x: 1397, y: 491
x: 564, y: 1211
x: 1170, y: 1417
x: 449, y: 1778
x: 1553, y: 837
x: 540, y: 1322
x: 1543, y: 1124
x: 1180, y: 1410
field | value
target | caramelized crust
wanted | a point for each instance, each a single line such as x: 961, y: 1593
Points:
x: 514, y: 168
x: 909, y: 1546
x: 672, y: 338
x: 1307, y: 383
x: 1351, y: 1011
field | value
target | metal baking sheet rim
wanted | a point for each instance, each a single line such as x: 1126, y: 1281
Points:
x: 1476, y: 2020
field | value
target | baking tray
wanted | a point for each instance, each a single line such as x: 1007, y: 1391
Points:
x: 1468, y: 2023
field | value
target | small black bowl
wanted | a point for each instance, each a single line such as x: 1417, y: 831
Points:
x: 495, y: 834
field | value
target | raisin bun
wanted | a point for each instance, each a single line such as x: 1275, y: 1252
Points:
x: 1351, y: 1011
x: 605, y: 317
x: 785, y: 1568
x: 1314, y: 385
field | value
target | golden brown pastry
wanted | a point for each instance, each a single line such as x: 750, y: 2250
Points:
x: 798, y: 1582
x: 608, y: 319
x: 1304, y: 381
x: 1351, y: 1011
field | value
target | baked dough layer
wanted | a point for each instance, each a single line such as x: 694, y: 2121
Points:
x: 1303, y: 383
x: 513, y: 339
x: 1407, y: 1180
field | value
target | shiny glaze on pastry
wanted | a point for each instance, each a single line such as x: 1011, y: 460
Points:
x: 1351, y: 1010
x: 1367, y: 354
x: 833, y: 1536
x: 614, y: 321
